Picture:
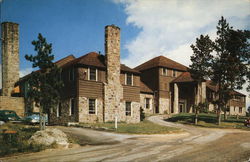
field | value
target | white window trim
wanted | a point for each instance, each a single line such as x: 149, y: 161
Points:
x: 132, y: 79
x: 96, y: 74
x: 131, y: 108
x: 145, y: 103
x: 95, y: 106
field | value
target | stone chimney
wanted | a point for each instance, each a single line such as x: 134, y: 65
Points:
x: 10, y: 57
x: 113, y: 89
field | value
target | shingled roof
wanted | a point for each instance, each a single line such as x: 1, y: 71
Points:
x: 96, y: 60
x: 184, y: 77
x: 64, y: 60
x: 161, y: 61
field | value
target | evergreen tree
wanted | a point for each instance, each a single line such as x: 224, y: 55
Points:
x: 229, y: 68
x: 45, y: 83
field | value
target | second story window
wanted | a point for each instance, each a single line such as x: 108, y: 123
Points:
x: 129, y: 79
x: 174, y: 73
x: 93, y: 74
x: 164, y: 71
x: 71, y: 74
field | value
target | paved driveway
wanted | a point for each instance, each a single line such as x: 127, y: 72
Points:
x: 195, y: 144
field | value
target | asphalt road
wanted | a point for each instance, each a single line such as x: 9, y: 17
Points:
x: 195, y: 144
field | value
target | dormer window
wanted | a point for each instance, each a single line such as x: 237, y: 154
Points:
x: 93, y: 74
x: 128, y: 79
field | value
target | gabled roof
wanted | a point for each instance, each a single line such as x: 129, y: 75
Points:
x: 145, y: 88
x: 161, y: 61
x: 184, y: 77
x: 96, y: 60
x: 64, y: 60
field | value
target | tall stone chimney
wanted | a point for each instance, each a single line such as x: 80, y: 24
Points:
x: 113, y: 88
x: 10, y: 57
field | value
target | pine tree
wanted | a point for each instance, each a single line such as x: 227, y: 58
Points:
x: 229, y: 68
x: 45, y: 83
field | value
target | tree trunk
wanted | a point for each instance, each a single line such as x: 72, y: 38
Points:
x: 225, y: 115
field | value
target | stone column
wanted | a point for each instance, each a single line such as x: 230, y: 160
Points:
x: 113, y: 91
x: 203, y: 92
x: 10, y: 57
x: 176, y: 98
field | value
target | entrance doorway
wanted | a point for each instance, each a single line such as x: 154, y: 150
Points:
x: 182, y: 108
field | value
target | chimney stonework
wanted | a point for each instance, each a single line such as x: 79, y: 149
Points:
x: 113, y: 94
x: 10, y: 57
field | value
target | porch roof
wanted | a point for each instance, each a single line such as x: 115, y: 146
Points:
x: 184, y: 77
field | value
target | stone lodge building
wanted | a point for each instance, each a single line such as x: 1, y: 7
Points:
x: 98, y: 88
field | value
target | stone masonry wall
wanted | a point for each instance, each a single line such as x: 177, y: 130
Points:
x: 84, y: 115
x: 12, y: 103
x: 113, y: 90
x: 135, y: 113
x: 164, y: 107
x: 142, y: 102
x: 10, y: 57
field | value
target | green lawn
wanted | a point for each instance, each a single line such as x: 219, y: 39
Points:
x: 209, y: 120
x: 145, y: 127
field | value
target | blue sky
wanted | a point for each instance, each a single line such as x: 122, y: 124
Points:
x: 149, y: 28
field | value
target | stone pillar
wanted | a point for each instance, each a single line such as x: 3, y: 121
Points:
x: 203, y: 92
x: 176, y: 98
x: 113, y: 91
x: 10, y: 57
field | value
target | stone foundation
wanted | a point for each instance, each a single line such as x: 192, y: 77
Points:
x: 142, y: 103
x: 13, y: 103
x: 84, y: 116
x: 164, y: 107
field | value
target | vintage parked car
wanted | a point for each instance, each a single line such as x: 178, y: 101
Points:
x: 9, y: 116
x: 34, y: 118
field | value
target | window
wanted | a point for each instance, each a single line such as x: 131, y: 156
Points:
x: 92, y: 106
x: 93, y: 74
x: 59, y: 110
x: 164, y: 71
x: 129, y: 79
x: 147, y: 103
x: 240, y: 109
x: 128, y: 108
x: 174, y: 73
x: 71, y: 74
x: 72, y: 106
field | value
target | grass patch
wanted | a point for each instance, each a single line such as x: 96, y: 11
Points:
x: 18, y: 142
x: 145, y: 127
x: 210, y: 120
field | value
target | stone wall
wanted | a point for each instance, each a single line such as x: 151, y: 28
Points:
x: 142, y: 103
x: 234, y: 110
x: 135, y: 113
x: 84, y: 116
x: 64, y: 118
x: 164, y: 106
x: 10, y: 57
x: 113, y: 90
x: 13, y: 103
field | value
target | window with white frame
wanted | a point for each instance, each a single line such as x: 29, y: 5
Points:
x: 128, y: 79
x: 93, y: 74
x: 164, y: 71
x: 71, y: 74
x: 92, y: 106
x: 128, y: 108
x: 59, y: 110
x: 147, y: 103
x: 71, y: 106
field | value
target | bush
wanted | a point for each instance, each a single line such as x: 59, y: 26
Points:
x: 142, y: 114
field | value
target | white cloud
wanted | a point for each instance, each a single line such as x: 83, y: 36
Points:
x: 169, y: 27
